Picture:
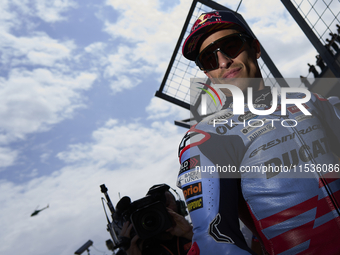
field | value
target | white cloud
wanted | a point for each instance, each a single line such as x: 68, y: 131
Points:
x: 51, y: 11
x: 7, y: 157
x: 124, y: 61
x: 35, y: 48
x: 95, y: 48
x: 41, y: 89
x: 159, y: 108
x: 126, y: 68
x: 47, y: 10
x: 132, y: 26
x: 151, y: 37
x: 7, y: 19
x: 44, y: 157
x: 34, y: 100
x: 124, y: 143
x: 124, y: 82
x: 31, y: 174
x: 38, y: 49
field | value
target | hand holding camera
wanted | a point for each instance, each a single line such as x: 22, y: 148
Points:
x: 181, y: 226
x: 134, y: 247
x: 156, y: 217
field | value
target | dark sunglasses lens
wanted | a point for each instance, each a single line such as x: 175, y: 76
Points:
x: 230, y: 46
x: 208, y: 61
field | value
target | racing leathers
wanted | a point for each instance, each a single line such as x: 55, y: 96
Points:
x: 278, y: 174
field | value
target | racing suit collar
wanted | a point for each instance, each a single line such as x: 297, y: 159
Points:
x: 263, y: 96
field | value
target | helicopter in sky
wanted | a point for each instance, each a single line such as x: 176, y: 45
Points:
x: 38, y: 211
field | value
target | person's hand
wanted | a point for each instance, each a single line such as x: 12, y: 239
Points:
x: 181, y: 226
x: 125, y: 233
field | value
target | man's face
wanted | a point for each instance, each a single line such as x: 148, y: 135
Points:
x: 243, y: 65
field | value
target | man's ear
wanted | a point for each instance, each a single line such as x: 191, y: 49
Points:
x: 257, y: 48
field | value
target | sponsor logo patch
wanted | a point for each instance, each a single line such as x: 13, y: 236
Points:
x: 189, y: 164
x: 188, y: 177
x: 303, y: 117
x: 283, y: 139
x: 278, y: 108
x: 260, y: 132
x: 254, y: 125
x: 195, y: 204
x: 247, y: 116
x: 224, y: 116
x: 221, y: 130
x: 204, y: 18
x: 192, y: 190
x: 291, y: 159
x: 295, y: 109
x: 261, y: 98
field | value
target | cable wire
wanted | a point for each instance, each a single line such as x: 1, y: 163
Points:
x: 98, y: 250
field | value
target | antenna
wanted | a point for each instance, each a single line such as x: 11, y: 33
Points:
x: 238, y: 6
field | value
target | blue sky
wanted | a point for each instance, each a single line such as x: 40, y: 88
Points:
x: 77, y: 85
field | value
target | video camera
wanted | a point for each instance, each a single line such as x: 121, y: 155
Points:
x: 148, y: 215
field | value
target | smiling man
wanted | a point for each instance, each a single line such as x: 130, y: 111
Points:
x: 280, y: 179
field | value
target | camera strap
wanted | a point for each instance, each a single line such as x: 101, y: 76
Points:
x: 170, y: 252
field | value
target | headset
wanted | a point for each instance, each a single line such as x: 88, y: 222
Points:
x: 160, y: 189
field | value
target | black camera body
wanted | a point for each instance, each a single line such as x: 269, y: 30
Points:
x: 148, y: 215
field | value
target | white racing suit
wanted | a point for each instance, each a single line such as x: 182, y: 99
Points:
x: 279, y: 178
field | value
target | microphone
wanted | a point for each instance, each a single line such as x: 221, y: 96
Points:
x: 121, y: 206
x: 103, y: 189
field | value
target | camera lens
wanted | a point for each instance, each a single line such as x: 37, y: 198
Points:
x: 151, y: 221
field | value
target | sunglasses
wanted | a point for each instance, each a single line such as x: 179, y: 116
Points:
x: 230, y: 46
